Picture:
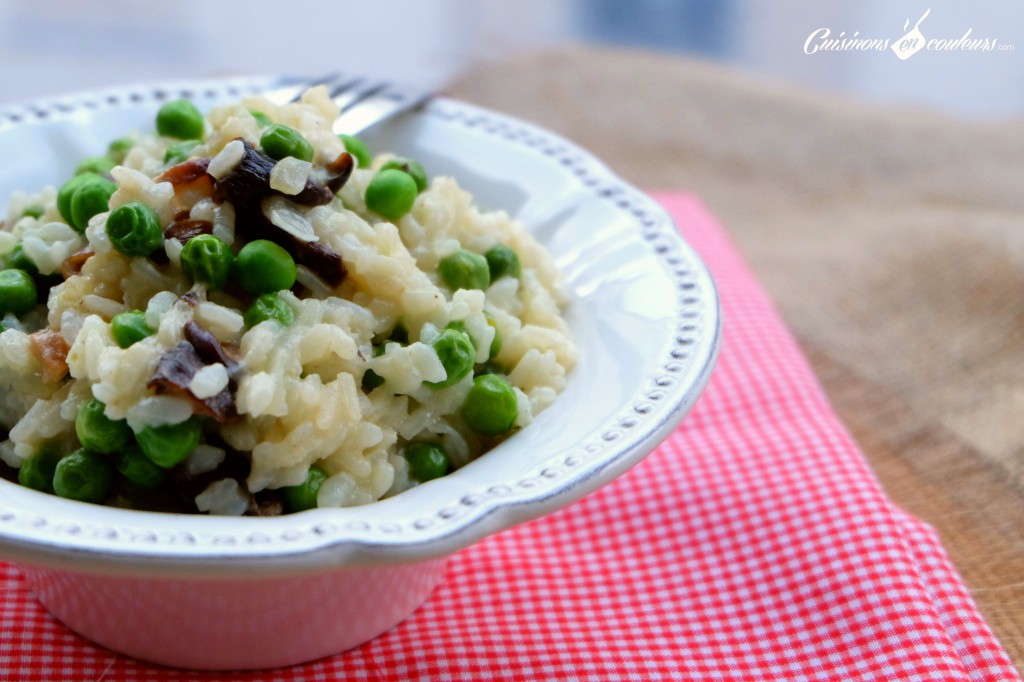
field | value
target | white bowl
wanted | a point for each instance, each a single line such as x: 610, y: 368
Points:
x: 223, y: 593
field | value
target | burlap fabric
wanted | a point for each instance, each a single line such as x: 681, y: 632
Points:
x: 892, y: 241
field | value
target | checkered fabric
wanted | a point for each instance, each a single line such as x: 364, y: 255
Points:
x: 754, y: 544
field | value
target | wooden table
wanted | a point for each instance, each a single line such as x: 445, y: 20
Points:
x: 892, y: 242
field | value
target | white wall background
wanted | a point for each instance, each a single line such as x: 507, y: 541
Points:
x: 975, y: 84
x: 53, y: 46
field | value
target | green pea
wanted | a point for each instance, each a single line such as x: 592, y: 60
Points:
x: 129, y: 328
x: 134, y: 229
x: 17, y: 259
x: 391, y: 193
x: 139, y: 470
x: 179, y: 151
x: 427, y: 461
x: 279, y: 141
x: 464, y: 270
x: 496, y: 342
x: 119, y: 148
x: 37, y: 472
x: 262, y: 120
x: 207, y: 259
x: 413, y: 168
x: 459, y: 325
x: 99, y: 433
x: 455, y: 350
x: 84, y: 476
x: 66, y: 191
x: 269, y: 307
x: 171, y: 444
x: 180, y: 119
x: 34, y: 212
x: 100, y: 165
x: 303, y: 496
x: 90, y: 199
x: 17, y: 292
x: 490, y: 407
x: 263, y: 267
x: 503, y: 261
x: 95, y: 193
x: 358, y: 149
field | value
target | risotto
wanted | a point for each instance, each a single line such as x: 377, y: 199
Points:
x: 245, y: 313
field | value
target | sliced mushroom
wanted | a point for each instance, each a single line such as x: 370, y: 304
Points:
x: 324, y: 261
x: 184, y: 230
x: 173, y: 375
x: 249, y: 181
x: 190, y: 177
x: 266, y: 503
x: 248, y: 185
x: 73, y: 264
x: 341, y: 170
x: 210, y: 350
x: 52, y: 350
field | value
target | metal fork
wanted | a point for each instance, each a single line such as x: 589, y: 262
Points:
x: 364, y: 102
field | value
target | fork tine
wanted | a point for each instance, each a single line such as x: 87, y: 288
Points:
x: 326, y: 80
x: 292, y: 91
x: 343, y: 86
x: 358, y: 93
x: 378, y: 105
x: 363, y: 102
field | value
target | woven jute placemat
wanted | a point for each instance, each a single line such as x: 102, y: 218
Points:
x: 892, y: 241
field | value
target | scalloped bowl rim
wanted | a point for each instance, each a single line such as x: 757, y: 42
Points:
x: 48, y: 531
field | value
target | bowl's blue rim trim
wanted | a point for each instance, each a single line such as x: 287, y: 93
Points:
x: 346, y: 544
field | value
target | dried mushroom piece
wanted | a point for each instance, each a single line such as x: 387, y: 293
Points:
x: 73, y: 264
x: 210, y: 349
x: 185, y: 229
x: 248, y: 184
x: 177, y: 369
x: 52, y: 350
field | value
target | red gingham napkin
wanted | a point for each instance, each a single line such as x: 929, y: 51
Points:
x: 754, y: 544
